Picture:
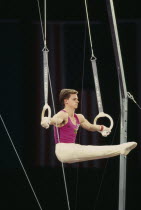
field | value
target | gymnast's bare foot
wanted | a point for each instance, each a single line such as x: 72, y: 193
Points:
x: 127, y: 147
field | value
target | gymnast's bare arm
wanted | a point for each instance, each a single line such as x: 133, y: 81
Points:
x: 59, y: 120
x: 87, y: 125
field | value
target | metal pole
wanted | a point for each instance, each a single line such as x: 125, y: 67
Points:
x: 123, y: 102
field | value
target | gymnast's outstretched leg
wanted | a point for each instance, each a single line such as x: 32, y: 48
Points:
x: 72, y: 153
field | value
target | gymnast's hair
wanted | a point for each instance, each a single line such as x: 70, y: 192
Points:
x: 65, y: 94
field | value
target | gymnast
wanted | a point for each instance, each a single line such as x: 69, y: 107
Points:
x: 66, y: 124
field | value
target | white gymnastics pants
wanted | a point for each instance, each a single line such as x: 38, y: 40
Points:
x: 72, y: 153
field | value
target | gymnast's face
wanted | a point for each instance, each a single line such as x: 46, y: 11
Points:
x: 72, y: 102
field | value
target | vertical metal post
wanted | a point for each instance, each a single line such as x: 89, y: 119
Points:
x: 123, y: 102
x: 122, y: 167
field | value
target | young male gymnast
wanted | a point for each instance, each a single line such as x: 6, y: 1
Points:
x: 66, y: 124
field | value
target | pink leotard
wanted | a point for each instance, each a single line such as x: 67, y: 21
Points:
x: 67, y: 133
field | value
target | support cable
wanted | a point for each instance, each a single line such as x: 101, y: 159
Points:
x: 36, y: 198
x: 46, y: 78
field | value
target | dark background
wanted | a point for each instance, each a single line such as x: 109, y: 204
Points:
x: 22, y: 99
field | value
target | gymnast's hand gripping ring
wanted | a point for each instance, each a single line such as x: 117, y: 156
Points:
x: 102, y: 114
x: 46, y: 107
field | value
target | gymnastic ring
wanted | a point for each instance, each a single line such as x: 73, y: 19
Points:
x: 46, y: 107
x: 102, y: 114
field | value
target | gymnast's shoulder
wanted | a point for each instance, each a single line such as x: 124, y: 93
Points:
x: 81, y: 118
